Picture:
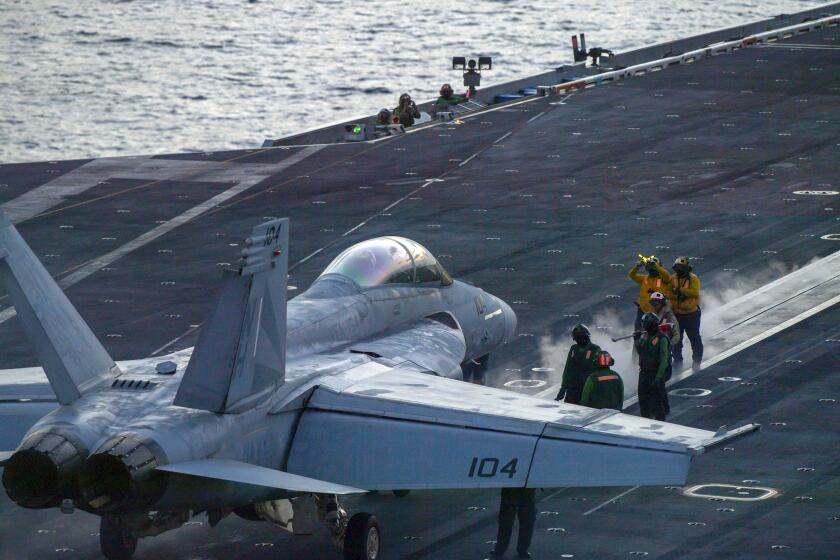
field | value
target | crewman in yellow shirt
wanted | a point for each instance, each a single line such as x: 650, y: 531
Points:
x: 654, y: 279
x: 684, y: 294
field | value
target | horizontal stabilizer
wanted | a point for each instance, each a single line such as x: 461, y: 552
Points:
x: 73, y: 359
x: 245, y: 473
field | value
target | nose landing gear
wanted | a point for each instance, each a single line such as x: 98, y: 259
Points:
x: 475, y: 369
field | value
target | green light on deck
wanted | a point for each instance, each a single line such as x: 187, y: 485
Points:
x: 357, y: 129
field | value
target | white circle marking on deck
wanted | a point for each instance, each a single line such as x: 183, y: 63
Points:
x: 526, y: 383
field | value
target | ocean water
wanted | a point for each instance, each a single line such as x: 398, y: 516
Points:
x: 105, y: 77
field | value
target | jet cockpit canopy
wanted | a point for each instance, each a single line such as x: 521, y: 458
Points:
x: 388, y: 260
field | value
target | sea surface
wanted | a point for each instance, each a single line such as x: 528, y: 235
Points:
x: 102, y: 77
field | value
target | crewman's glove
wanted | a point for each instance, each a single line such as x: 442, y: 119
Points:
x: 660, y: 383
x: 561, y: 395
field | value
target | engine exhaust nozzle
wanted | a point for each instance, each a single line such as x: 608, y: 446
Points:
x: 43, y: 471
x: 121, y: 474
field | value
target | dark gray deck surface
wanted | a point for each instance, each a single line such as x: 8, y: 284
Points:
x: 699, y: 160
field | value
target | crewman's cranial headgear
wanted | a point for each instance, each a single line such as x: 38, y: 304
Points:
x: 681, y: 264
x: 605, y: 359
x: 657, y: 297
x: 580, y: 334
x: 650, y: 322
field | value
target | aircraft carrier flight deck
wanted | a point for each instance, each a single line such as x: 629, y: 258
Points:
x: 545, y: 201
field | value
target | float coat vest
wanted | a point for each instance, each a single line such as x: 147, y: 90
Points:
x: 604, y: 389
x: 579, y: 364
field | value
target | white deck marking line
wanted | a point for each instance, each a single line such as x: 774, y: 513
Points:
x: 759, y: 337
x: 503, y: 136
x: 558, y: 491
x: 52, y: 193
x: 98, y: 263
x: 611, y: 500
x: 777, y: 304
x: 469, y: 159
x: 535, y: 117
x: 801, y: 46
x: 174, y: 340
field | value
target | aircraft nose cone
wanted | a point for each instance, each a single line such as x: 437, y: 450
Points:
x: 510, y: 321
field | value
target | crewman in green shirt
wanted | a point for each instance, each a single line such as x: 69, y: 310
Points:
x: 406, y: 112
x: 579, y: 364
x: 448, y: 97
x: 604, y: 387
x: 654, y: 360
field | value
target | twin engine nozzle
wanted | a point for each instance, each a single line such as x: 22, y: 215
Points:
x: 121, y: 474
x: 44, y: 470
x: 49, y: 467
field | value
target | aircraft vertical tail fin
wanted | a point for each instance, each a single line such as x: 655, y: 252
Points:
x: 240, y: 357
x: 73, y: 359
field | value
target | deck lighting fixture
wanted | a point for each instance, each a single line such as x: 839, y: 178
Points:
x: 472, y: 70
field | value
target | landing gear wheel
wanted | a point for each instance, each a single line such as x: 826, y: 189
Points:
x: 401, y: 493
x: 362, y: 540
x: 117, y: 543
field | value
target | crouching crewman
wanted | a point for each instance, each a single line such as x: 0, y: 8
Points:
x: 604, y: 388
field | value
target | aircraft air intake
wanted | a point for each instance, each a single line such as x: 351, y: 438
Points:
x: 121, y: 474
x: 43, y: 471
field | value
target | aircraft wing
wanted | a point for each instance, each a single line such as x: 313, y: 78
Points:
x: 25, y: 397
x: 429, y: 344
x: 400, y: 429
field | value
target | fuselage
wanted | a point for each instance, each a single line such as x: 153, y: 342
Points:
x: 133, y: 418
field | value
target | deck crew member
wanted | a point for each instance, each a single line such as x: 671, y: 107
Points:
x: 448, y: 97
x: 520, y: 503
x: 383, y: 118
x: 383, y: 121
x: 655, y: 279
x: 405, y: 112
x: 579, y: 364
x: 685, y: 301
x: 669, y: 326
x: 667, y: 319
x: 654, y: 359
x: 604, y: 388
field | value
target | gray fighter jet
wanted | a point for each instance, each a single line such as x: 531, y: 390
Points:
x: 352, y: 386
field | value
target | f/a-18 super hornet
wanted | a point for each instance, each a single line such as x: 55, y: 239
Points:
x: 282, y: 407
